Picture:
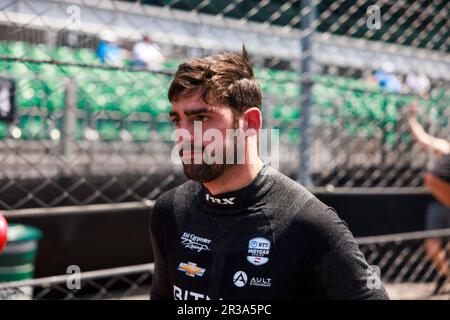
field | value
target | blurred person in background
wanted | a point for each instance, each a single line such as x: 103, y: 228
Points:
x: 386, y: 78
x: 108, y: 51
x: 418, y: 83
x: 146, y: 54
x: 438, y: 182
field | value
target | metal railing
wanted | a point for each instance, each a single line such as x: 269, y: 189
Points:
x: 118, y: 283
x: 406, y: 268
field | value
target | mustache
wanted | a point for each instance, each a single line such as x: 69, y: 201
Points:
x: 191, y: 147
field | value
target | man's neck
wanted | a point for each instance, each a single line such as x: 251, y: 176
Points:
x: 235, y: 178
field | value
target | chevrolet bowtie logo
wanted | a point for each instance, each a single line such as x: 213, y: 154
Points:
x: 191, y: 269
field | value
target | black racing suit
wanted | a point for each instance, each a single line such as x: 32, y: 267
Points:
x: 269, y: 240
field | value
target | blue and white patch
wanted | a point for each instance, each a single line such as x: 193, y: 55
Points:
x: 258, y: 251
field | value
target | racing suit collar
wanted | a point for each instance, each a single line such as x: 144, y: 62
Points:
x: 237, y: 199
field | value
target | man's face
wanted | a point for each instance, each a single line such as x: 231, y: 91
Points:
x: 189, y: 111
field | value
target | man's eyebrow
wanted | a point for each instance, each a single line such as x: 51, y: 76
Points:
x: 201, y: 110
x: 194, y: 112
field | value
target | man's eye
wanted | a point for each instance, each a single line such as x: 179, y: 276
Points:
x: 176, y: 122
x: 201, y: 118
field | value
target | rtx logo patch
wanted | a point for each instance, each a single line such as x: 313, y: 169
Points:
x: 224, y: 201
x: 191, y: 269
x: 258, y: 251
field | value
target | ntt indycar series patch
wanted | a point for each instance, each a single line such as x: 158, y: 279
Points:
x: 269, y: 240
x: 258, y: 251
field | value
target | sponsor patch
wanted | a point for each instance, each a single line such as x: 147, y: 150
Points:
x: 193, y: 242
x: 191, y: 269
x: 240, y: 279
x: 258, y: 251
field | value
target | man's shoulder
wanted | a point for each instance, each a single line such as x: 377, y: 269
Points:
x: 287, y: 193
x: 291, y: 204
x: 183, y: 194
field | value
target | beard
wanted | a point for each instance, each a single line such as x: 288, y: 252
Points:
x: 205, y: 172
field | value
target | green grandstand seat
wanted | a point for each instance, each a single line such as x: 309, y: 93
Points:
x: 159, y: 107
x: 19, y: 49
x: 29, y: 93
x: 5, y: 49
x: 3, y: 130
x: 20, y: 69
x: 65, y: 54
x: 40, y: 52
x: 54, y: 95
x: 293, y: 135
x: 70, y: 71
x: 171, y: 64
x: 79, y: 130
x: 50, y: 71
x: 140, y: 131
x: 164, y: 129
x: 361, y: 111
x: 130, y: 103
x: 5, y: 66
x: 33, y: 127
x: 86, y: 56
x: 109, y: 130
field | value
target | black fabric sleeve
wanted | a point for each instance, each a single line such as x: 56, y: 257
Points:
x: 339, y: 268
x: 160, y: 288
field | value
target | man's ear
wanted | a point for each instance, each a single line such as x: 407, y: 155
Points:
x: 252, y: 119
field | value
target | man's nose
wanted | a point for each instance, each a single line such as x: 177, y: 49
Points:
x: 188, y: 129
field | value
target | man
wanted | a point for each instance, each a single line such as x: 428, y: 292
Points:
x: 242, y: 230
x: 418, y: 83
x: 438, y: 182
x: 147, y: 54
x: 108, y: 50
x: 387, y: 79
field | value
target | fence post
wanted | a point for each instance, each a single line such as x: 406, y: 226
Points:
x: 308, y: 12
x: 69, y: 123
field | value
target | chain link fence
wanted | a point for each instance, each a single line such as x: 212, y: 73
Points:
x: 337, y: 77
x: 71, y: 143
x: 407, y: 268
x: 131, y: 282
x: 411, y: 264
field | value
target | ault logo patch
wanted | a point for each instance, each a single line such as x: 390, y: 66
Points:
x: 258, y: 251
x: 191, y: 269
x: 240, y: 279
